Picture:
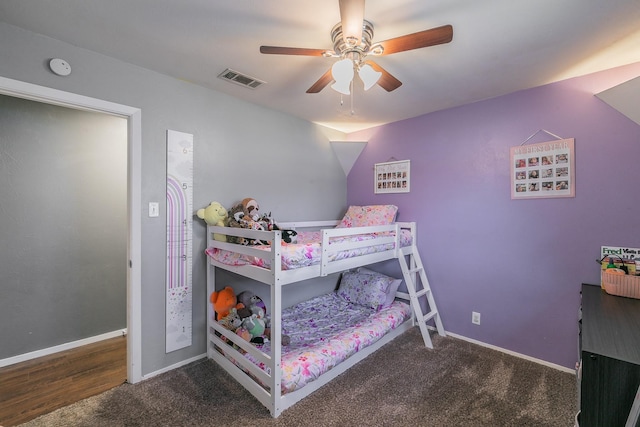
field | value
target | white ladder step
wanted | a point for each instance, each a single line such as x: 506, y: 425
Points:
x: 422, y: 292
x: 430, y: 315
x: 415, y: 270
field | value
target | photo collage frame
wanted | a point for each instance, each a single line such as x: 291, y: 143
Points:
x: 543, y: 170
x: 392, y: 177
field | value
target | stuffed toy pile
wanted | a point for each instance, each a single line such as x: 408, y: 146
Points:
x: 256, y: 308
x: 246, y: 214
x: 244, y: 314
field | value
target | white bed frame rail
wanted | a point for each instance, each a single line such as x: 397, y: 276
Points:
x: 325, y: 267
x: 219, y: 349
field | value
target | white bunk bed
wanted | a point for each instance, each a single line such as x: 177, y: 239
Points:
x: 384, y: 243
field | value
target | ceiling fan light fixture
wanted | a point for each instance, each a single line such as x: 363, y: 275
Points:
x: 342, y: 73
x: 342, y: 87
x: 352, y: 39
x: 369, y: 76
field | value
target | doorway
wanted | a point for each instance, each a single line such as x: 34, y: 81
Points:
x: 133, y: 277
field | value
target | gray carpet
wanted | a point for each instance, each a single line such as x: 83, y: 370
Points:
x: 402, y: 384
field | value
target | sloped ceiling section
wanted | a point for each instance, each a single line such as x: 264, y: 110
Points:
x: 625, y: 98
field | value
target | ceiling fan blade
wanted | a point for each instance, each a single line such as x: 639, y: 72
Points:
x: 426, y: 38
x: 321, y: 83
x: 352, y: 19
x: 278, y: 50
x: 386, y: 81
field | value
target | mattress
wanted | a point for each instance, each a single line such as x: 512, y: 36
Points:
x: 325, y: 331
x: 307, y: 250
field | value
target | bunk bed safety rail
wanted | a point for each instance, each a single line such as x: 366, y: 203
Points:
x: 295, y: 225
x: 230, y: 352
x: 334, y: 241
x: 267, y: 236
x: 273, y: 254
x: 387, y: 234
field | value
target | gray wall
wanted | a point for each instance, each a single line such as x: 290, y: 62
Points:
x: 63, y: 224
x: 241, y: 150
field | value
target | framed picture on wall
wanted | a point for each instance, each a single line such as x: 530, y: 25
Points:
x: 391, y: 177
x: 543, y: 170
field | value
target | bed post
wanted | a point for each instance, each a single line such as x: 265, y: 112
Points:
x: 276, y: 324
x: 211, y: 286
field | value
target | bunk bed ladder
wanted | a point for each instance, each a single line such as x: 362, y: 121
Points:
x: 422, y: 297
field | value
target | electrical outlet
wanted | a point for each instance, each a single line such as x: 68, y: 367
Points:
x: 475, y: 318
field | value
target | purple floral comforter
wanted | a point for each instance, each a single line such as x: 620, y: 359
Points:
x: 307, y: 250
x: 325, y: 331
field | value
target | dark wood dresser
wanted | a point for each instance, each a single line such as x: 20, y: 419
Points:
x: 610, y: 352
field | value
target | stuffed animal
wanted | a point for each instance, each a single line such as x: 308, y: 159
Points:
x: 243, y: 333
x: 289, y: 236
x: 247, y: 210
x: 231, y: 321
x: 251, y: 209
x: 244, y: 215
x: 214, y: 214
x: 223, y: 301
x: 251, y: 301
x: 255, y: 326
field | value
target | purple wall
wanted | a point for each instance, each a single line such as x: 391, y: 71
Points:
x: 520, y: 263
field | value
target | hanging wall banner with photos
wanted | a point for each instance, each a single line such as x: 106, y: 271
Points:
x: 543, y: 170
x: 391, y: 177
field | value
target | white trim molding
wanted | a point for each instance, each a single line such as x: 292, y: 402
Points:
x: 174, y: 366
x: 513, y: 353
x: 62, y: 347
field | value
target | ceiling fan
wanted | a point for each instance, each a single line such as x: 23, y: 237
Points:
x: 352, y: 43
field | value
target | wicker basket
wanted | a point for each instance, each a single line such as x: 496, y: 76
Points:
x: 624, y: 286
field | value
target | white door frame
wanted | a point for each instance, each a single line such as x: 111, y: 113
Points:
x: 134, y: 204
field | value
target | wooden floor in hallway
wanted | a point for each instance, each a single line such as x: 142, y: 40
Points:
x: 35, y: 387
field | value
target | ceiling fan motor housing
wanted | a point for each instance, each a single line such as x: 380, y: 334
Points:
x: 343, y: 49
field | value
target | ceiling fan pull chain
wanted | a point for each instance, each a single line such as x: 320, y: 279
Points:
x: 352, y: 94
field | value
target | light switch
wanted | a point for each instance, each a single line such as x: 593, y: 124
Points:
x: 154, y: 209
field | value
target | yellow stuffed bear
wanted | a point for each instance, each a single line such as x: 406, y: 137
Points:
x: 214, y: 214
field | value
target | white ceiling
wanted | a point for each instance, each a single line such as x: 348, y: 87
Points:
x: 498, y: 47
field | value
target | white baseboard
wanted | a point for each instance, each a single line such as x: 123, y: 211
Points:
x: 513, y: 353
x: 62, y: 347
x: 174, y: 366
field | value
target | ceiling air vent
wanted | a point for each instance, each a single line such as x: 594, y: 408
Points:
x: 240, y: 79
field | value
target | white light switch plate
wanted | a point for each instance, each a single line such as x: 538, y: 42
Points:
x: 154, y: 209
